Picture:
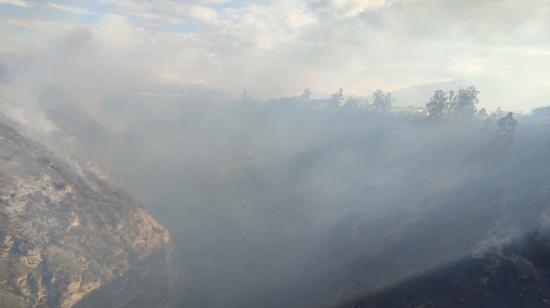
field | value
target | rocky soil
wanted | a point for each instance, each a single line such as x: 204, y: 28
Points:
x: 65, y: 231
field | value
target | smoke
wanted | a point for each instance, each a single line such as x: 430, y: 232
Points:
x: 275, y: 202
x: 281, y: 199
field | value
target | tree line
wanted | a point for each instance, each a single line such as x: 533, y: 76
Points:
x: 460, y: 104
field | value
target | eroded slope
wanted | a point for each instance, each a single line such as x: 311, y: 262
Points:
x: 64, y: 230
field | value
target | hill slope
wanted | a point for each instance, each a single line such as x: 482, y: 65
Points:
x: 517, y: 276
x: 64, y: 230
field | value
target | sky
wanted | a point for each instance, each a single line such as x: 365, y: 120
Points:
x: 277, y: 48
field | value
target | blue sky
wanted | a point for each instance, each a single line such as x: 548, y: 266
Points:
x: 280, y: 47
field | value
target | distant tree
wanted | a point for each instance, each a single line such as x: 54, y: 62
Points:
x: 452, y: 94
x: 507, y: 124
x: 438, y: 105
x: 497, y: 114
x: 244, y: 95
x: 493, y: 118
x: 354, y: 103
x: 381, y: 102
x: 463, y: 103
x: 307, y: 94
x: 337, y: 98
x: 482, y: 114
x: 506, y: 132
x: 389, y: 101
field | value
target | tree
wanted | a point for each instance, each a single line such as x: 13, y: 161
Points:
x: 381, y: 102
x: 307, y: 94
x: 244, y: 95
x: 354, y: 103
x: 438, y: 105
x: 337, y: 98
x: 463, y: 104
x: 506, y: 132
x: 482, y: 114
x: 497, y: 114
x: 507, y: 124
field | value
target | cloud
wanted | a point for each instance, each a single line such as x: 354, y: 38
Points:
x: 297, y: 18
x: 69, y: 8
x: 346, y: 8
x: 209, y: 2
x: 352, y: 8
x: 278, y: 48
x: 165, y: 10
x: 470, y: 67
x: 201, y: 13
x: 157, y: 18
x: 51, y: 27
x: 19, y: 3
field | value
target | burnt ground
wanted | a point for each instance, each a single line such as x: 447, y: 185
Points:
x: 516, y: 276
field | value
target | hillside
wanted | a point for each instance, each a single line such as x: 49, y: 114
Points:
x: 65, y: 231
x: 516, y: 276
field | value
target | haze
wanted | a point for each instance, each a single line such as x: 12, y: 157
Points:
x: 297, y: 151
